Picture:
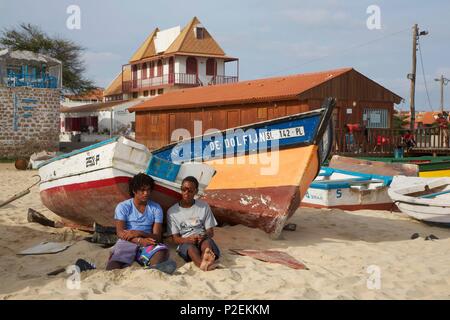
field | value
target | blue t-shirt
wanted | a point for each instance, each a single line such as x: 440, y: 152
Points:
x: 135, y: 220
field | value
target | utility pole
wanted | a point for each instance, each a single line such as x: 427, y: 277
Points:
x: 412, y: 75
x: 111, y: 123
x: 443, y: 81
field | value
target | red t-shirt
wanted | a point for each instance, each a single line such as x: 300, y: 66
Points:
x: 443, y: 123
x: 352, y: 127
x: 407, y: 136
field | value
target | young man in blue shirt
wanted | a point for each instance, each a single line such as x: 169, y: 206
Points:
x: 139, y: 224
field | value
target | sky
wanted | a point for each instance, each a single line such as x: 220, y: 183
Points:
x: 270, y: 38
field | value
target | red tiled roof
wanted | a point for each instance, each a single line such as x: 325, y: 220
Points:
x: 427, y: 117
x: 95, y: 94
x: 270, y: 89
x: 92, y: 107
x: 424, y: 117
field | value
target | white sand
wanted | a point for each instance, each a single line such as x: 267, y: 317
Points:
x: 337, y: 246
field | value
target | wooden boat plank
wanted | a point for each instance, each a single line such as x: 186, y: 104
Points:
x: 374, y: 167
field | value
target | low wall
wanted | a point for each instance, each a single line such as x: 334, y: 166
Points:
x: 29, y: 121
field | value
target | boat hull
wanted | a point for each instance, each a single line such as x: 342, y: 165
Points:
x: 429, y: 167
x: 348, y: 199
x: 435, y: 215
x: 424, y: 199
x: 85, y: 186
x: 348, y: 190
x: 243, y: 196
x: 83, y: 203
x: 262, y: 170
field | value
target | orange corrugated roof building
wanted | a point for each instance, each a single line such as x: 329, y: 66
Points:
x: 231, y: 105
x: 270, y: 89
x: 95, y: 94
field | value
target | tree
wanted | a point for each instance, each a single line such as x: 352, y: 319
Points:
x: 32, y: 38
x: 400, y: 121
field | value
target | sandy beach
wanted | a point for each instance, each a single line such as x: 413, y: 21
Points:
x: 343, y: 250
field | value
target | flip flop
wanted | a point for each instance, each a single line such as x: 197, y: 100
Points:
x: 415, y: 236
x: 431, y: 237
x: 84, y: 265
x: 80, y: 263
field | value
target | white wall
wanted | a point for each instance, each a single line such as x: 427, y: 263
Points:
x: 121, y: 118
x: 180, y: 64
x: 220, y: 67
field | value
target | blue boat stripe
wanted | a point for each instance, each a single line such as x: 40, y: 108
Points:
x: 230, y: 143
x: 346, y: 183
x: 67, y: 155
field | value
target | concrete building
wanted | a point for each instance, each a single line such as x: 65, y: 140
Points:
x: 30, y: 90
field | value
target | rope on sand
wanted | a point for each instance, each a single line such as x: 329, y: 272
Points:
x: 20, y: 194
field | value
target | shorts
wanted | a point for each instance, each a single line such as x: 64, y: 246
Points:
x: 182, y: 249
x: 127, y: 252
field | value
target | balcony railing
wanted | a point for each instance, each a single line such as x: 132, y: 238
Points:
x: 175, y: 79
x: 374, y: 142
x: 19, y: 79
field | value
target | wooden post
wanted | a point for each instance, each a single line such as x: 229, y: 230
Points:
x: 413, y: 77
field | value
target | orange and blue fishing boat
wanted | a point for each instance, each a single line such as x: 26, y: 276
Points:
x: 263, y: 170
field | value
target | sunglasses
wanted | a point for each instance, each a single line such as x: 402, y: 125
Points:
x: 184, y: 189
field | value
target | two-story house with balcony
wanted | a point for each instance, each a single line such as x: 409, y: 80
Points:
x: 173, y: 59
x: 167, y: 60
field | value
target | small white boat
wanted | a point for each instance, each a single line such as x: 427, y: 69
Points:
x: 424, y: 199
x: 86, y: 185
x: 348, y: 190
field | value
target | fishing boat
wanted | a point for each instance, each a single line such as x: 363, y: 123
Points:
x: 348, y: 190
x: 86, y: 185
x: 262, y: 169
x: 371, y: 166
x: 429, y: 166
x: 427, y: 200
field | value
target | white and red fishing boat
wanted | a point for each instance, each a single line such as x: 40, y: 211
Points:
x: 85, y: 186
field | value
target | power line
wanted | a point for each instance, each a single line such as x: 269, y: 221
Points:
x: 356, y: 46
x: 423, y: 74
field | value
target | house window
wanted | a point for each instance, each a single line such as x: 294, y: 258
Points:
x: 199, y: 32
x: 152, y: 92
x: 160, y: 69
x: 152, y: 69
x: 145, y: 93
x: 376, y: 118
x: 191, y: 65
x: 210, y: 67
x: 160, y: 91
x: 135, y: 95
x: 144, y: 71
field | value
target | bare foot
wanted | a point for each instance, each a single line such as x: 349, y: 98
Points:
x: 208, y: 260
